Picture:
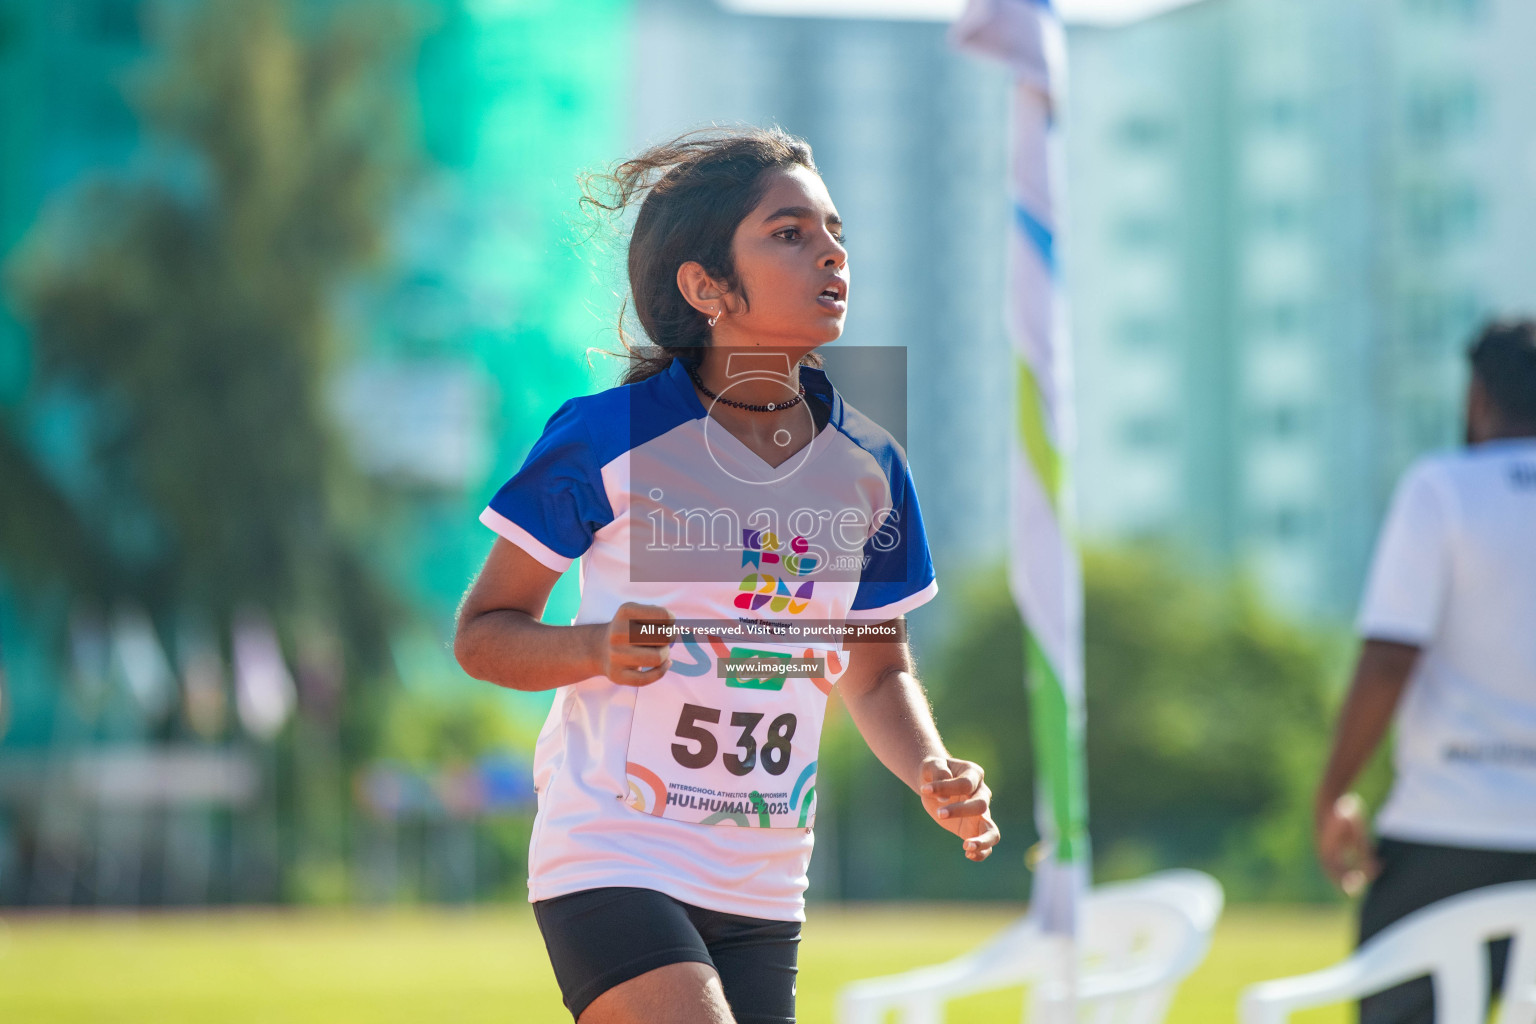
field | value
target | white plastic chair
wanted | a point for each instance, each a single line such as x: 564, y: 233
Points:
x: 1138, y: 941
x: 1445, y: 941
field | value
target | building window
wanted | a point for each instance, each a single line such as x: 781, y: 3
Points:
x: 1291, y: 523
x: 1462, y: 10
x: 1145, y: 431
x: 1423, y: 321
x: 1143, y: 131
x: 1464, y: 313
x: 1280, y: 113
x: 1438, y: 112
x: 1141, y: 232
x: 1430, y: 423
x: 1286, y: 524
x: 1435, y: 322
x: 1283, y: 422
x: 1283, y: 319
x: 1439, y: 216
x: 1280, y: 216
x: 1141, y: 333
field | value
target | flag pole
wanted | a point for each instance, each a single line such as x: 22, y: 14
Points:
x: 1044, y: 571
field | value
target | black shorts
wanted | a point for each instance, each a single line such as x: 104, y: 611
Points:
x: 599, y: 938
x: 1414, y: 875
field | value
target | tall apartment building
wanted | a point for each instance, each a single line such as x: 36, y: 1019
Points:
x: 1285, y: 219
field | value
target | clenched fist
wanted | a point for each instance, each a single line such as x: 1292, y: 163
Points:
x: 634, y: 664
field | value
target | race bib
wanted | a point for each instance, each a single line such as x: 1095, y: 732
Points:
x: 715, y: 743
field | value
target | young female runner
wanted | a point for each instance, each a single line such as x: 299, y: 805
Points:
x: 723, y: 485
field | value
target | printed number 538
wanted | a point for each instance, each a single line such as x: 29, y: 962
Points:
x: 775, y: 748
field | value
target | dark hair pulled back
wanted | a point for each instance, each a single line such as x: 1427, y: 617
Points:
x: 1504, y: 359
x: 697, y: 189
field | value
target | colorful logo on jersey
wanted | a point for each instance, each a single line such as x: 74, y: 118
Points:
x: 761, y: 548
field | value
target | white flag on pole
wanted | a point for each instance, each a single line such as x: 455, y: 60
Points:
x: 141, y: 660
x: 264, y: 690
x: 1044, y: 572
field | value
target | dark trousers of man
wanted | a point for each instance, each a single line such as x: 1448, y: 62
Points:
x: 1414, y: 875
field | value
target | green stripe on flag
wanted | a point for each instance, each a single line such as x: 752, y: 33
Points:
x: 1034, y: 437
x: 1058, y: 753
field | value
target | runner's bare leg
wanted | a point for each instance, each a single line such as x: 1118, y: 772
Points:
x: 687, y: 993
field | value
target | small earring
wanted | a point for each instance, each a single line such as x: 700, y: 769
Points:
x: 714, y: 318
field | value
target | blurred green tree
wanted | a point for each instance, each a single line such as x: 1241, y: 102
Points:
x: 1208, y: 719
x: 184, y: 320
x: 176, y: 446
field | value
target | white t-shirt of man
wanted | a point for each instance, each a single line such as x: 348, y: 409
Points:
x: 1455, y: 574
x: 702, y: 785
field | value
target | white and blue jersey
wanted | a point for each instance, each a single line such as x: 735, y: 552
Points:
x: 1455, y: 575
x: 701, y: 785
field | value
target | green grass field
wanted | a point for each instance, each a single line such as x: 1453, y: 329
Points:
x: 410, y: 967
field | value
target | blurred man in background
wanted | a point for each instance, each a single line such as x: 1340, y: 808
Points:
x: 1449, y: 630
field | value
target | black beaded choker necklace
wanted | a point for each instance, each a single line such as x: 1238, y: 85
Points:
x: 770, y: 407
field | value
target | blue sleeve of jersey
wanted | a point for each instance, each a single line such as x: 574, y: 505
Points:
x: 898, y: 574
x: 553, y: 505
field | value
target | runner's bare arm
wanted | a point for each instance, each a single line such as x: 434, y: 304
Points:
x: 890, y: 709
x: 1340, y: 831
x: 500, y: 639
